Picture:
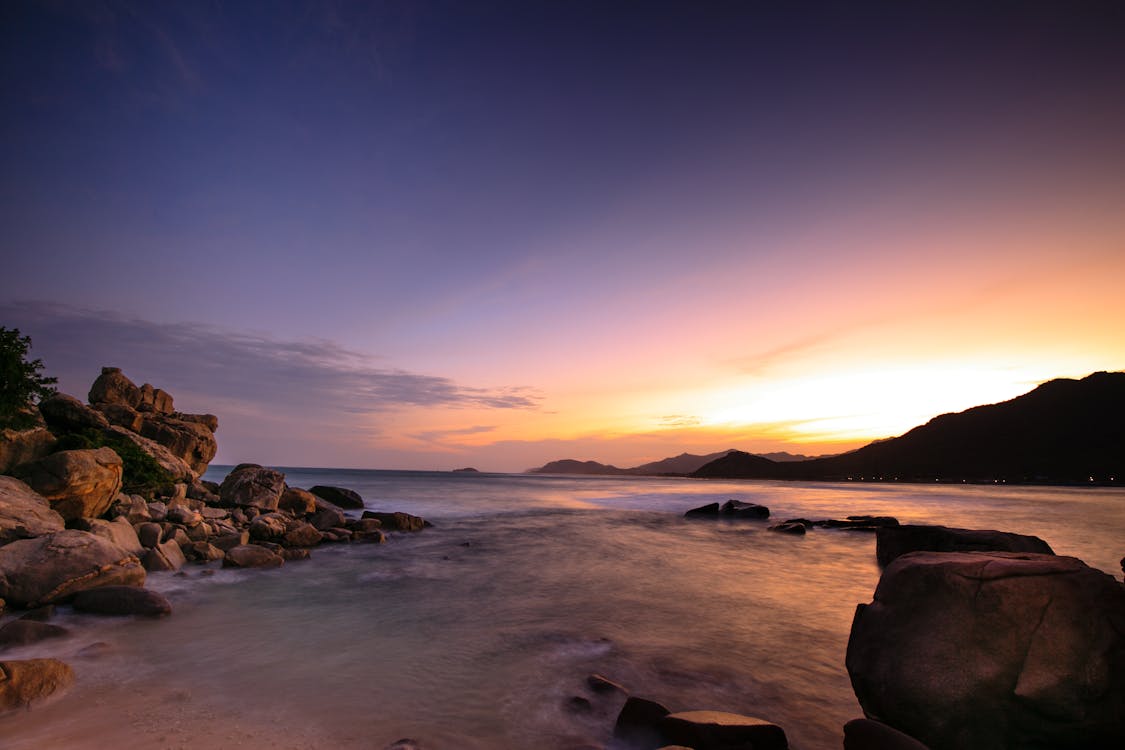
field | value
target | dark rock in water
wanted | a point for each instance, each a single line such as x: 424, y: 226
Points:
x: 28, y: 681
x: 711, y: 510
x: 302, y: 535
x: 294, y: 553
x: 993, y: 650
x: 739, y: 509
x: 639, y: 720
x: 251, y: 556
x: 716, y: 730
x: 404, y: 744
x: 865, y: 734
x: 327, y: 517
x: 576, y: 704
x: 298, y: 502
x: 25, y: 632
x: 466, y: 470
x: 40, y: 614
x: 123, y: 600
x: 603, y: 685
x: 892, y: 542
x: 789, y: 527
x: 226, y: 541
x: 344, y: 498
x: 859, y: 523
x: 397, y: 521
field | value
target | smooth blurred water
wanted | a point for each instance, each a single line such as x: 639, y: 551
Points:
x: 475, y: 633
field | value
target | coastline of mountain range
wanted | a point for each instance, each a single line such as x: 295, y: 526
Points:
x: 1064, y: 431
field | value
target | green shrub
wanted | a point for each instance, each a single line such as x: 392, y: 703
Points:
x: 21, y: 383
x: 142, y: 475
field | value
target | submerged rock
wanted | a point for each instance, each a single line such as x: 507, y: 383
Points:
x: 29, y: 681
x: 710, y: 510
x: 638, y: 722
x: 25, y: 632
x: 739, y: 509
x: 717, y: 730
x: 993, y: 650
x: 123, y: 600
x: 894, y: 541
x: 788, y: 527
x: 397, y: 521
x: 603, y: 685
x: 54, y: 568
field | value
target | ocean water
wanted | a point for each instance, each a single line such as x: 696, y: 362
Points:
x: 478, y: 632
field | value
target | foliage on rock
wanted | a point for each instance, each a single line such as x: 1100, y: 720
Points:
x: 21, y: 381
x: 142, y: 474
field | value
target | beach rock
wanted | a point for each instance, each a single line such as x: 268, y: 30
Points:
x: 338, y: 496
x: 177, y: 468
x: 118, y: 531
x: 859, y: 523
x: 26, y: 632
x: 739, y: 509
x: 710, y: 510
x: 210, y: 421
x: 603, y: 685
x: 24, y: 513
x: 164, y: 557
x: 302, y: 535
x: 865, y: 734
x: 157, y: 511
x: 254, y: 486
x: 214, y: 514
x: 894, y: 541
x: 269, y: 526
x: 374, y: 536
x: 76, y: 483
x: 397, y: 521
x: 121, y: 416
x: 184, y: 516
x: 638, y: 723
x: 191, y: 442
x: 289, y: 554
x: 154, y: 400
x: 149, y: 534
x: 251, y: 556
x: 206, y: 552
x: 298, y: 502
x: 29, y: 681
x: 788, y: 527
x: 327, y: 517
x: 112, y: 387
x: 993, y: 650
x: 40, y: 614
x: 122, y: 600
x: 716, y: 730
x: 226, y: 542
x: 137, y: 511
x: 65, y: 413
x: 22, y: 446
x: 55, y: 567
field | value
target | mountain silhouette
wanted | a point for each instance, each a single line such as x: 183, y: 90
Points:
x: 1063, y: 431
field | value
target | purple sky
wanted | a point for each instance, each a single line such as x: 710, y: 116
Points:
x: 428, y: 234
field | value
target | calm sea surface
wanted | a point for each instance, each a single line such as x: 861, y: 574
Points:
x: 475, y: 633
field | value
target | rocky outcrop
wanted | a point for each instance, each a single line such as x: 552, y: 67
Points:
x: 21, y: 446
x: 24, y: 513
x: 338, y: 496
x: 29, y: 681
x: 190, y: 441
x: 122, y: 600
x: 66, y: 414
x: 253, y: 486
x: 177, y: 468
x: 77, y: 483
x: 397, y: 521
x: 894, y: 541
x: 112, y: 387
x: 993, y: 650
x: 55, y: 567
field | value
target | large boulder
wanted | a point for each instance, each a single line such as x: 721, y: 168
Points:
x: 894, y: 541
x: 65, y: 413
x: 24, y: 513
x: 865, y: 734
x: 397, y: 521
x: 77, y: 483
x: 298, y: 502
x: 21, y: 446
x: 165, y: 557
x: 993, y: 651
x: 118, y: 531
x: 154, y: 400
x: 24, y: 632
x: 191, y: 442
x: 112, y: 387
x: 55, y: 567
x: 339, y: 496
x: 251, y: 556
x: 179, y: 469
x: 717, y: 730
x: 30, y: 680
x: 253, y: 485
x: 123, y: 600
x: 740, y: 509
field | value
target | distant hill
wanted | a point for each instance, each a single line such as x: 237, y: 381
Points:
x: 685, y: 463
x: 571, y: 466
x: 681, y: 465
x: 1063, y: 431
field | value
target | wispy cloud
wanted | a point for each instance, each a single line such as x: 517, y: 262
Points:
x: 443, y: 437
x: 678, y: 420
x: 256, y: 368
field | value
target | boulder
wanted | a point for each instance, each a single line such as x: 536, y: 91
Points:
x: 269, y: 526
x: 327, y: 516
x: 157, y: 511
x: 149, y: 534
x: 29, y: 442
x: 603, y: 685
x: 166, y: 556
x: 893, y: 541
x: 112, y: 387
x: 210, y: 421
x: 338, y: 496
x: 859, y: 523
x: 179, y: 469
x: 77, y: 483
x: 118, y: 531
x: 788, y: 527
x: 184, y: 516
x: 253, y: 486
x: 154, y: 400
x: 26, y: 632
x: 191, y: 442
x: 298, y: 502
x: 302, y: 535
x: 24, y: 513
x: 710, y: 510
x: 739, y: 509
x: 251, y: 556
x: 993, y: 650
x: 716, y: 730
x: 638, y: 722
x: 137, y: 511
x: 397, y: 521
x: 121, y: 416
x: 206, y: 552
x: 55, y: 567
x: 294, y: 553
x: 28, y: 681
x: 65, y: 413
x: 227, y: 541
x: 865, y: 734
x: 123, y: 600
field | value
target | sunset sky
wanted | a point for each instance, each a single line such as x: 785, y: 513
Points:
x: 440, y: 234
